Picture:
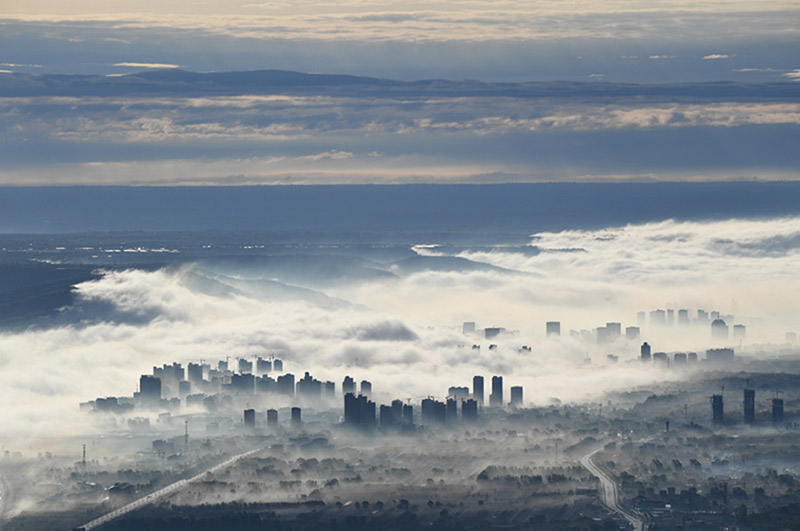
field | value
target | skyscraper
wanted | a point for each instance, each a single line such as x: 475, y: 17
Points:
x: 249, y: 419
x: 553, y: 328
x: 749, y: 406
x: 516, y: 395
x: 477, y: 389
x: 777, y: 410
x: 717, y: 410
x: 496, y: 398
x: 348, y: 386
x: 645, y: 351
x: 366, y: 388
x: 150, y: 390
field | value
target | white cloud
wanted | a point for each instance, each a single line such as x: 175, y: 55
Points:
x: 714, y: 56
x: 794, y: 74
x: 155, y: 317
x: 146, y: 65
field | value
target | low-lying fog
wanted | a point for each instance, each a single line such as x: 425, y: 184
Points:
x: 398, y: 322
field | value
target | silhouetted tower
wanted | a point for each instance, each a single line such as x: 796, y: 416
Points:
x: 469, y: 410
x: 185, y: 436
x: 408, y: 414
x: 477, y: 389
x: 272, y: 419
x: 451, y: 411
x: 777, y: 410
x: 386, y: 416
x: 553, y: 328
x: 150, y: 390
x: 717, y: 411
x: 348, y: 386
x: 645, y: 350
x: 296, y: 419
x: 516, y: 395
x: 496, y: 398
x: 83, y: 461
x: 366, y: 388
x: 749, y: 406
x: 249, y: 419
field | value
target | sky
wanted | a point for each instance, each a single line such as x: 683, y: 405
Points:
x: 331, y: 136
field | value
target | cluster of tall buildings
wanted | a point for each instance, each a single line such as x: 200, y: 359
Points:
x: 678, y: 359
x: 719, y: 323
x: 749, y: 412
x: 460, y: 404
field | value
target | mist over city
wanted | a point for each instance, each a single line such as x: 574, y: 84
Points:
x: 453, y: 265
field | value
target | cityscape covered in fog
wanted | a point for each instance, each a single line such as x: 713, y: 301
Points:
x: 452, y: 265
x: 301, y: 379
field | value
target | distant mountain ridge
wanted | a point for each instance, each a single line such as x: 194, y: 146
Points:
x: 177, y: 82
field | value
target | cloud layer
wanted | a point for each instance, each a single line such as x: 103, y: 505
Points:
x: 403, y: 332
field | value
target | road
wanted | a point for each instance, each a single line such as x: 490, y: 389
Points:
x: 154, y: 496
x: 610, y: 498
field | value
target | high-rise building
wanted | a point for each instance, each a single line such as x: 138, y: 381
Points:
x: 469, y: 410
x: 433, y: 411
x: 408, y: 414
x: 489, y: 333
x: 717, y: 410
x: 150, y: 390
x: 263, y: 366
x: 553, y: 328
x: 272, y: 419
x: 451, y: 413
x: 297, y: 420
x: 691, y: 358
x: 366, y: 388
x: 285, y: 384
x: 348, y: 386
x: 516, y: 395
x: 468, y: 327
x: 658, y: 318
x: 477, y: 389
x: 387, y: 416
x: 719, y: 354
x: 670, y: 317
x: 459, y: 393
x: 245, y: 366
x: 277, y: 365
x: 640, y: 319
x: 496, y: 398
x: 632, y: 333
x: 243, y: 383
x: 777, y: 410
x: 749, y: 406
x: 309, y: 387
x: 184, y: 388
x: 679, y: 358
x: 719, y: 330
x: 250, y: 419
x: 739, y: 331
x: 645, y: 351
x: 329, y: 390
x: 702, y: 317
x: 359, y: 411
x: 194, y: 372
x: 683, y: 317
